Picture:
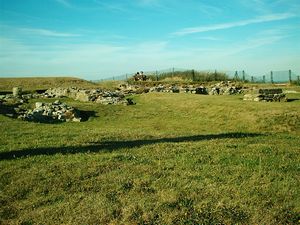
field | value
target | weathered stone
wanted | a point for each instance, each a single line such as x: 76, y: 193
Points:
x: 201, y: 90
x: 175, y: 89
x: 270, y: 91
x: 130, y: 101
x: 215, y: 91
x: 50, y: 112
x: 248, y: 97
x: 267, y: 95
x: 82, y: 96
x: 61, y: 92
x: 76, y: 119
x: 38, y: 104
x: 57, y: 102
x: 225, y: 88
x: 258, y: 98
x: 17, y: 91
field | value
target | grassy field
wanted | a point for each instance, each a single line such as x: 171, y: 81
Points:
x: 169, y: 159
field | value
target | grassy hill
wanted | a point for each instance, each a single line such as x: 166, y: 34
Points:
x: 36, y: 83
x: 169, y: 159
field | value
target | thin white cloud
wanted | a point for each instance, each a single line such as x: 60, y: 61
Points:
x: 45, y: 32
x: 209, y: 38
x: 255, y: 43
x: 222, y: 26
x: 261, y: 40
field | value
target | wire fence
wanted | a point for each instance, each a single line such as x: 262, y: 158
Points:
x: 283, y: 76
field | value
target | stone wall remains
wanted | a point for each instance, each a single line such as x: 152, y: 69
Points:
x: 266, y: 95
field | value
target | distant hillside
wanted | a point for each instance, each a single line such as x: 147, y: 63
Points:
x: 39, y: 83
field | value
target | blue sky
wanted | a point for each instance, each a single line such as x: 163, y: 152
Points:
x: 94, y: 39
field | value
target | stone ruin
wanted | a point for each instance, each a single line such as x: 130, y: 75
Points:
x: 60, y: 112
x: 225, y: 88
x: 83, y: 95
x: 221, y: 88
x: 49, y: 112
x: 267, y: 95
x: 41, y: 112
x: 13, y: 105
x: 90, y: 95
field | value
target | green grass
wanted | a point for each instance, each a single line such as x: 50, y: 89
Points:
x: 31, y: 84
x: 169, y: 159
x: 40, y: 83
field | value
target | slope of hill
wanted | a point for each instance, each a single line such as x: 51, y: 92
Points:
x: 36, y: 83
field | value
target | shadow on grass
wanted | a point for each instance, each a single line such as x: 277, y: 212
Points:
x: 292, y: 99
x: 85, y: 115
x: 116, y: 145
x: 8, y: 110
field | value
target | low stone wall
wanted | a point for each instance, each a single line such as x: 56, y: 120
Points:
x: 89, y: 95
x: 221, y: 88
x: 266, y: 95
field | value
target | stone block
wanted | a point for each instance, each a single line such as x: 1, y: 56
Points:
x: 82, y: 96
x: 270, y: 91
x: 17, y: 91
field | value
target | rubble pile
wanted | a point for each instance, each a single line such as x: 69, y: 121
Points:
x: 194, y: 90
x: 13, y: 105
x: 225, y: 88
x: 12, y: 99
x: 178, y: 89
x: 49, y: 112
x: 161, y: 88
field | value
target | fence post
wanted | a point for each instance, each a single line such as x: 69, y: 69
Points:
x: 193, y: 75
x: 173, y: 72
x: 156, y: 74
x: 252, y: 79
x: 272, y: 81
x: 243, y: 75
x: 264, y: 79
x: 236, y: 75
x: 290, y: 76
